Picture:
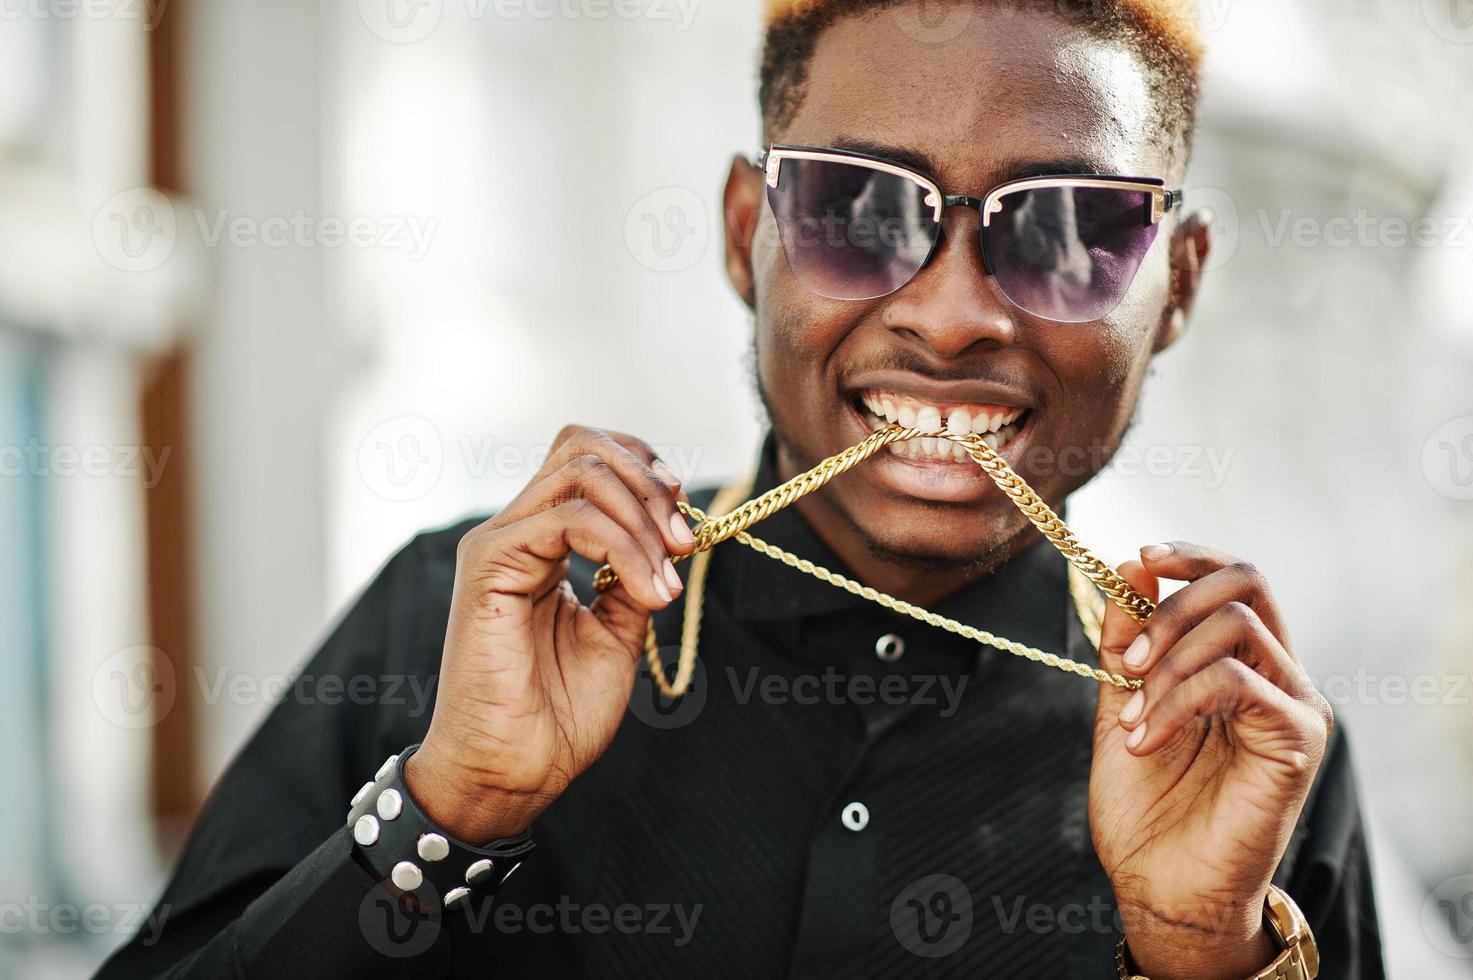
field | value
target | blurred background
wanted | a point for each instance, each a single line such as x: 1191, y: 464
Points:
x: 282, y: 283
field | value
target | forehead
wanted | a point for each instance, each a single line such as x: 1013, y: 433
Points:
x: 1005, y: 88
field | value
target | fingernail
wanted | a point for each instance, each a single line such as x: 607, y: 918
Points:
x: 1135, y: 737
x: 672, y: 576
x: 1138, y: 651
x: 1132, y: 709
x: 661, y: 589
x: 680, y: 529
x: 1156, y: 552
x: 665, y: 474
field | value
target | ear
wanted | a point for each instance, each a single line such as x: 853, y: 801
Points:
x: 742, y: 205
x: 1189, y: 245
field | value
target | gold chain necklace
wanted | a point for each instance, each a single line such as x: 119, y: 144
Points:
x: 1087, y: 572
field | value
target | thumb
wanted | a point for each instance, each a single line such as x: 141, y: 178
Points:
x: 626, y: 619
x: 1117, y: 631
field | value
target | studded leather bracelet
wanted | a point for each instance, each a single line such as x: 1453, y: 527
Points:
x: 423, y: 862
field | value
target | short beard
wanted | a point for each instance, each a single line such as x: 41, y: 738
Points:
x: 968, y: 567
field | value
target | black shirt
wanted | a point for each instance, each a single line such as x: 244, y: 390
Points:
x: 810, y: 809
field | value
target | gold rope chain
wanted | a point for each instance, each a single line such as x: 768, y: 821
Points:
x: 731, y: 521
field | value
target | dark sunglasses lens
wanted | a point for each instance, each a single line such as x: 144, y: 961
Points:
x: 1069, y: 253
x: 851, y: 232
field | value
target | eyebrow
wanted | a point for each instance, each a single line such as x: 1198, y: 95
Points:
x: 917, y: 159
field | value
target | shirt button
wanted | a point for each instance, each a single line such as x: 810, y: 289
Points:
x: 890, y: 648
x: 856, y: 816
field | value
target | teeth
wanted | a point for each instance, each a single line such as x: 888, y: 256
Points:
x: 941, y: 449
x: 994, y: 427
x: 928, y: 419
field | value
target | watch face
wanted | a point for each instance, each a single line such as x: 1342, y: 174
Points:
x: 1292, y: 928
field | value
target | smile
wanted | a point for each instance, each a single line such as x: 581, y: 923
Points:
x: 997, y: 424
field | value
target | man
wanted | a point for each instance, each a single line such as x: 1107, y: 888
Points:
x: 996, y: 818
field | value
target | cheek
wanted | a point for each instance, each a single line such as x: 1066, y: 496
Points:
x: 1103, y: 363
x: 1128, y: 334
x: 797, y: 331
x: 767, y: 255
x: 1119, y: 341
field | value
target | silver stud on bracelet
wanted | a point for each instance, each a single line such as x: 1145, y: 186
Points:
x: 433, y: 847
x: 365, y: 831
x: 476, y: 870
x: 384, y: 769
x: 455, y: 895
x: 390, y: 804
x: 406, y: 876
x: 363, y: 791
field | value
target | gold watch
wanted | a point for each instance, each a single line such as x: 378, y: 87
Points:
x: 1300, y: 959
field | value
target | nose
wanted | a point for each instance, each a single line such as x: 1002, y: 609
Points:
x: 950, y: 306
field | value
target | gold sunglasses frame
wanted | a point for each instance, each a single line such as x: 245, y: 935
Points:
x: 1162, y: 199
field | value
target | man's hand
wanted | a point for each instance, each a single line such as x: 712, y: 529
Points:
x: 1199, y: 777
x: 532, y: 683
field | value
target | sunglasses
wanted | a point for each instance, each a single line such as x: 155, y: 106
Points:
x: 1063, y: 248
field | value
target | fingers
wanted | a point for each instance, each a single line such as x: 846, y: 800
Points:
x: 1231, y: 643
x: 642, y: 451
x: 1265, y: 719
x: 596, y: 465
x: 1183, y: 560
x: 650, y: 480
x: 1118, y: 630
x: 591, y: 478
x: 574, y: 440
x: 519, y: 558
x: 1215, y: 579
x: 1234, y: 631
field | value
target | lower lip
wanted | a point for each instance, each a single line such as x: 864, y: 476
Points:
x: 944, y: 482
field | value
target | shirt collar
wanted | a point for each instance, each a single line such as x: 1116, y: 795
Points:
x: 1025, y: 600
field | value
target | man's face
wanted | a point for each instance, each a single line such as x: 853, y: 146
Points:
x: 1013, y: 91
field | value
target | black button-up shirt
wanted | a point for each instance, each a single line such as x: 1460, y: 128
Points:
x: 845, y: 792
